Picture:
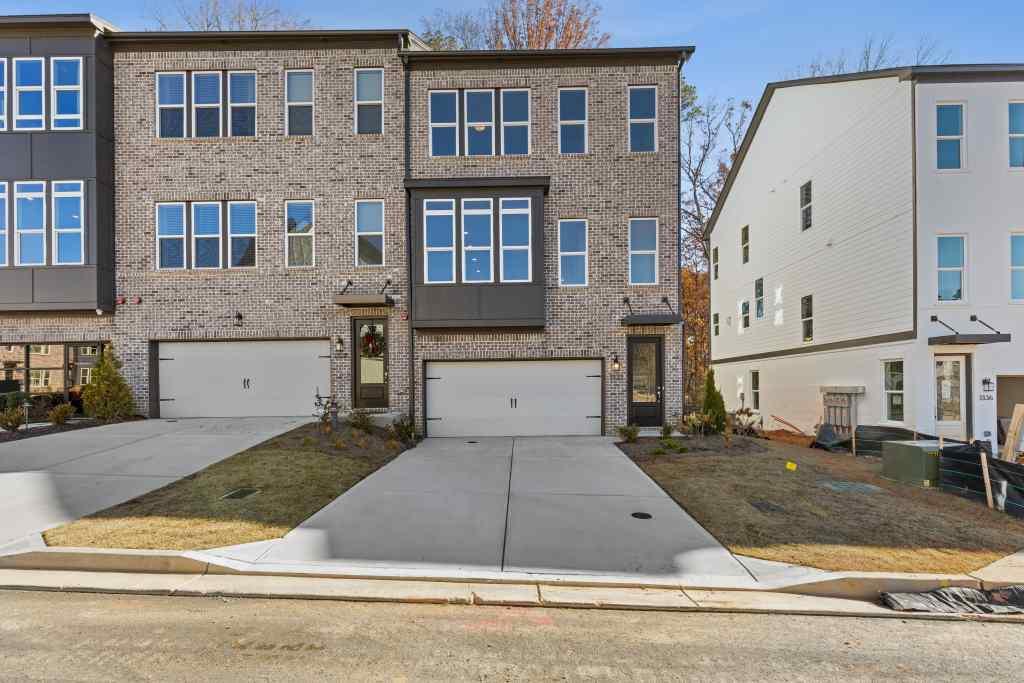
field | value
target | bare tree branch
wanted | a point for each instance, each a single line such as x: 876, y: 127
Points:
x: 876, y: 52
x: 517, y: 25
x: 225, y: 15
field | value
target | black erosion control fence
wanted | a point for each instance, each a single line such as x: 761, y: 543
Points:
x: 961, y: 473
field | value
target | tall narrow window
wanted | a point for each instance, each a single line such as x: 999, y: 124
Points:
x: 444, y: 123
x: 29, y: 103
x: 300, y: 222
x: 807, y: 317
x: 755, y: 389
x: 439, y: 241
x: 572, y: 253
x: 951, y: 267
x: 714, y: 323
x: 370, y: 233
x: 3, y: 224
x: 170, y: 105
x: 759, y: 298
x: 242, y: 103
x: 206, y: 235
x: 480, y: 122
x: 745, y: 313
x: 369, y: 101
x: 68, y: 223
x: 714, y: 263
x: 170, y: 236
x: 892, y: 378
x: 643, y: 119
x: 299, y: 102
x: 643, y: 251
x: 242, y: 234
x: 745, y: 243
x: 806, y: 216
x: 30, y: 224
x: 66, y: 109
x: 206, y: 101
x: 514, y: 226
x: 3, y: 93
x: 949, y: 129
x: 515, y: 122
x: 1016, y: 267
x: 477, y: 240
x: 1016, y: 134
x: 572, y: 121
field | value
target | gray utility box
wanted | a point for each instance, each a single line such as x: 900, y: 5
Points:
x: 911, y: 462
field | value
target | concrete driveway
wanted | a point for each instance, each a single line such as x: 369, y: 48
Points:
x: 46, y: 481
x: 502, y: 506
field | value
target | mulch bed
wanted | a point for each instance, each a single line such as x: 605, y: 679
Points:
x: 43, y: 430
x: 695, y: 445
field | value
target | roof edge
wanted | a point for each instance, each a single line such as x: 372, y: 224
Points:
x: 680, y: 52
x: 291, y: 34
x: 58, y: 20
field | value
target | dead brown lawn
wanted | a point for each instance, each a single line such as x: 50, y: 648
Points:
x: 898, y: 529
x: 296, y: 473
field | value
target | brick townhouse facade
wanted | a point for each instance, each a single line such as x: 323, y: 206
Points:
x: 488, y: 242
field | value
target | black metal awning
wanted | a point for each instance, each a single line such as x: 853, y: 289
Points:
x: 363, y: 300
x: 651, y: 319
x: 968, y: 339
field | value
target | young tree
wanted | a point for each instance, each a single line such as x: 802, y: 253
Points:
x: 226, y: 15
x: 107, y: 397
x: 714, y: 404
x: 518, y: 25
x: 696, y: 328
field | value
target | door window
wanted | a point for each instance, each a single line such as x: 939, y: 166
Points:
x: 948, y: 406
x: 645, y: 372
x: 372, y: 350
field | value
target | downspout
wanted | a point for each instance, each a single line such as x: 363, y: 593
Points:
x: 409, y: 273
x: 679, y: 237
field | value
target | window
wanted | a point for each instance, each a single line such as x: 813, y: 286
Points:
x: 714, y: 323
x: 30, y: 224
x: 745, y: 243
x: 745, y: 314
x: 39, y: 379
x: 949, y: 128
x: 572, y: 121
x: 170, y: 105
x: 84, y: 376
x: 515, y: 122
x: 242, y: 234
x: 68, y: 223
x: 755, y: 389
x: 39, y: 349
x: 3, y: 93
x: 643, y: 119
x: 1016, y: 134
x: 241, y: 104
x: 170, y: 236
x: 951, y: 267
x: 206, y: 99
x: 66, y: 103
x: 807, y: 317
x: 88, y: 350
x: 29, y: 103
x: 3, y: 224
x: 1016, y: 266
x: 477, y: 240
x: 444, y: 123
x: 206, y: 235
x: 300, y: 223
x: 714, y: 262
x: 643, y: 251
x: 572, y: 253
x: 806, y: 218
x: 479, y: 122
x: 369, y: 101
x: 299, y: 102
x: 892, y: 380
x: 514, y: 227
x: 759, y: 298
x: 439, y: 241
x: 370, y: 233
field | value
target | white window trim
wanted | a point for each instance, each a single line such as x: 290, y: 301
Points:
x: 37, y: 376
x: 196, y: 237
x: 41, y: 349
x: 745, y: 246
x: 428, y: 249
x: 585, y: 253
x: 715, y: 324
x: 746, y: 319
x: 182, y: 107
x: 575, y: 122
x: 288, y: 236
x: 489, y: 212
x: 254, y: 235
x: 182, y: 237
x: 18, y: 232
x: 528, y: 211
x: 4, y: 227
x: 356, y: 234
x: 528, y: 124
x: 962, y: 137
x: 57, y: 232
x: 254, y: 105
x: 300, y: 103
x: 803, y: 319
x: 761, y: 299
x: 1012, y: 136
x: 885, y: 393
x: 54, y: 89
x: 714, y: 263
x: 219, y: 106
x: 964, y: 289
x: 631, y: 120
x: 1013, y: 268
x: 16, y: 89
x: 432, y: 125
x: 3, y: 93
x: 465, y: 108
x: 808, y: 205
x: 356, y: 101
x: 641, y: 252
x: 755, y: 393
x: 85, y: 375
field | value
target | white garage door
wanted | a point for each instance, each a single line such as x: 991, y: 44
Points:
x: 243, y: 379
x: 514, y: 398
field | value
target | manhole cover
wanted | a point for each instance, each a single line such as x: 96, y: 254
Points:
x: 767, y: 506
x: 642, y: 515
x: 849, y: 487
x: 239, y: 493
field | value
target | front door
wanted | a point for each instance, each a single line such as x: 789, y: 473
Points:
x: 645, y: 379
x: 371, y: 363
x: 951, y: 397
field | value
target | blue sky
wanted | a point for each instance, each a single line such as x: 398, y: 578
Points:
x: 741, y: 44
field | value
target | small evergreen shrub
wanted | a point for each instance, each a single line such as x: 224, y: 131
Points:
x: 108, y: 398
x: 403, y: 430
x: 629, y: 433
x: 12, y: 419
x: 714, y: 404
x: 360, y: 420
x: 60, y: 414
x: 667, y: 431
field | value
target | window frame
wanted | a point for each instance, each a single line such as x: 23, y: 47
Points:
x: 715, y: 320
x: 886, y: 419
x: 5, y: 231
x: 254, y: 236
x: 962, y: 137
x: 528, y: 124
x: 16, y: 90
x: 54, y: 89
x: 745, y: 314
x: 806, y: 209
x: 383, y: 231
x: 1014, y: 269
x: 528, y: 211
x: 630, y: 120
x: 219, y: 106
x: 183, y: 237
x: 755, y: 390
x: 300, y: 103
x: 463, y: 211
x: 57, y: 232
x: 575, y: 122
x: 85, y: 371
x: 759, y: 307
x: 5, y: 113
x: 962, y: 270
x: 585, y: 253
x: 254, y: 105
x: 356, y: 101
x: 644, y: 252
x: 183, y: 107
x: 196, y: 237
x: 467, y: 125
x: 311, y: 234
x: 745, y: 244
x: 427, y: 249
x: 43, y: 373
x: 714, y: 263
x: 18, y: 231
x: 431, y: 125
x: 804, y: 321
x: 1013, y: 136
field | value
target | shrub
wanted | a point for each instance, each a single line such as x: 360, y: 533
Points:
x: 340, y: 444
x: 697, y: 424
x: 659, y: 451
x: 403, y: 429
x: 629, y: 433
x: 360, y: 420
x: 107, y: 397
x: 667, y: 430
x: 60, y: 414
x: 714, y: 404
x: 745, y: 422
x: 308, y: 442
x: 15, y: 399
x: 12, y: 419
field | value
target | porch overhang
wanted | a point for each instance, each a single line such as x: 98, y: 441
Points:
x: 968, y: 339
x: 651, y: 319
x: 363, y: 300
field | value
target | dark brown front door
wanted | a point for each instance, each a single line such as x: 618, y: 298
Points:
x: 645, y: 379
x: 371, y: 362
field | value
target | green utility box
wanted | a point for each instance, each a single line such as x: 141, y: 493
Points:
x: 911, y: 462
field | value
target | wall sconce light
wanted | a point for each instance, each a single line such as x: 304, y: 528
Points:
x: 988, y: 385
x: 238, y: 319
x: 616, y: 365
x: 339, y: 345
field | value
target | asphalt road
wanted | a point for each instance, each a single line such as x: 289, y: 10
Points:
x: 112, y: 638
